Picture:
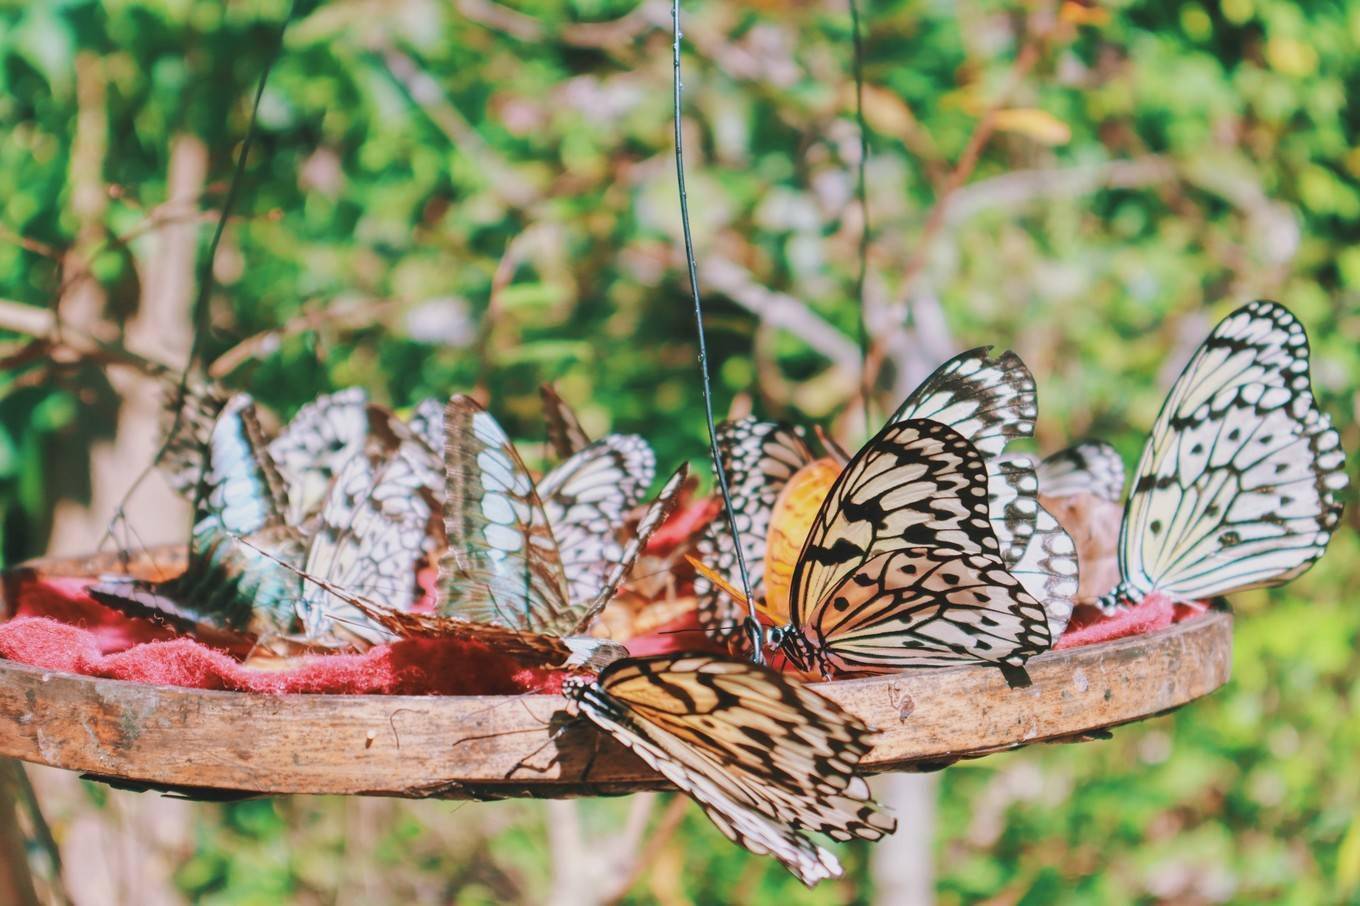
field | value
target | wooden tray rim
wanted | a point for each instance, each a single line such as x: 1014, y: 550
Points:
x: 211, y: 742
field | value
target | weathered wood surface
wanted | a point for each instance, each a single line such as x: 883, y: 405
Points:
x: 478, y: 746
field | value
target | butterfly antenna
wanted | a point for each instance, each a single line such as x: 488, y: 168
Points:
x: 752, y: 622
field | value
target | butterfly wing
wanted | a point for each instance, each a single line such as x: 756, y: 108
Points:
x: 1241, y: 494
x: 190, y: 413
x: 1091, y: 467
x: 565, y: 434
x: 758, y: 458
x: 1048, y: 569
x: 427, y: 422
x: 927, y: 607
x: 916, y: 483
x: 318, y: 441
x: 1239, y: 483
x: 989, y: 401
x: 228, y: 583
x: 764, y: 757
x: 587, y: 499
x: 502, y: 564
x: 622, y: 564
x: 374, y: 530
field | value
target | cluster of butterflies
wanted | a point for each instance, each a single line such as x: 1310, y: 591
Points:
x: 927, y: 547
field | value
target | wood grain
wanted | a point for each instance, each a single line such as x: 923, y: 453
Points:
x: 213, y: 744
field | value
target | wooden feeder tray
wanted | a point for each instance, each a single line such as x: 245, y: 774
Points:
x: 209, y: 744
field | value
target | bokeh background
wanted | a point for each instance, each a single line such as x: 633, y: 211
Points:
x: 446, y: 195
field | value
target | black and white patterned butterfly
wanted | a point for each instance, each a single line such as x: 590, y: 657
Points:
x: 989, y: 401
x: 528, y: 567
x: 902, y: 567
x: 321, y: 438
x: 379, y: 522
x: 767, y: 759
x: 1239, y: 485
x: 1090, y: 467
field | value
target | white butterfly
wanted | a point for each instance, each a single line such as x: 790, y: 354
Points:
x: 1239, y: 483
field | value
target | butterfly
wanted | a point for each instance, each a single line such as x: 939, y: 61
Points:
x: 190, y: 411
x: 531, y: 562
x: 767, y: 759
x: 1090, y: 467
x: 988, y: 400
x: 320, y: 439
x: 1240, y: 480
x: 379, y: 522
x: 227, y: 586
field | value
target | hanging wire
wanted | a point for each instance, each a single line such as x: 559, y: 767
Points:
x: 861, y: 188
x: 200, y: 310
x: 752, y: 623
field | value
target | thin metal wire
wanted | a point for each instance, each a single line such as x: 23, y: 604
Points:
x: 752, y: 623
x: 866, y: 391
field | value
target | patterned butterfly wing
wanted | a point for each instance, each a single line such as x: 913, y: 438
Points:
x: 922, y: 607
x: 1048, y: 569
x: 318, y: 441
x: 622, y: 564
x: 1091, y: 467
x: 587, y: 499
x: 228, y: 584
x: 1239, y: 483
x: 502, y: 564
x: 373, y: 533
x: 190, y: 413
x: 916, y: 483
x: 427, y: 422
x: 989, y: 401
x: 565, y: 434
x: 1012, y: 503
x: 759, y: 458
x: 1242, y: 494
x: 765, y: 758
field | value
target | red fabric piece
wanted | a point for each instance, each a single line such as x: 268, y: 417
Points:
x: 682, y: 525
x: 59, y: 627
x: 412, y: 667
x: 1089, y: 626
x: 65, y: 599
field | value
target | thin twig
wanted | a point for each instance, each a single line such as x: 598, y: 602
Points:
x: 753, y: 624
x: 357, y: 314
x: 46, y: 327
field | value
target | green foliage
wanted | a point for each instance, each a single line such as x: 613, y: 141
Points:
x: 1169, y: 161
